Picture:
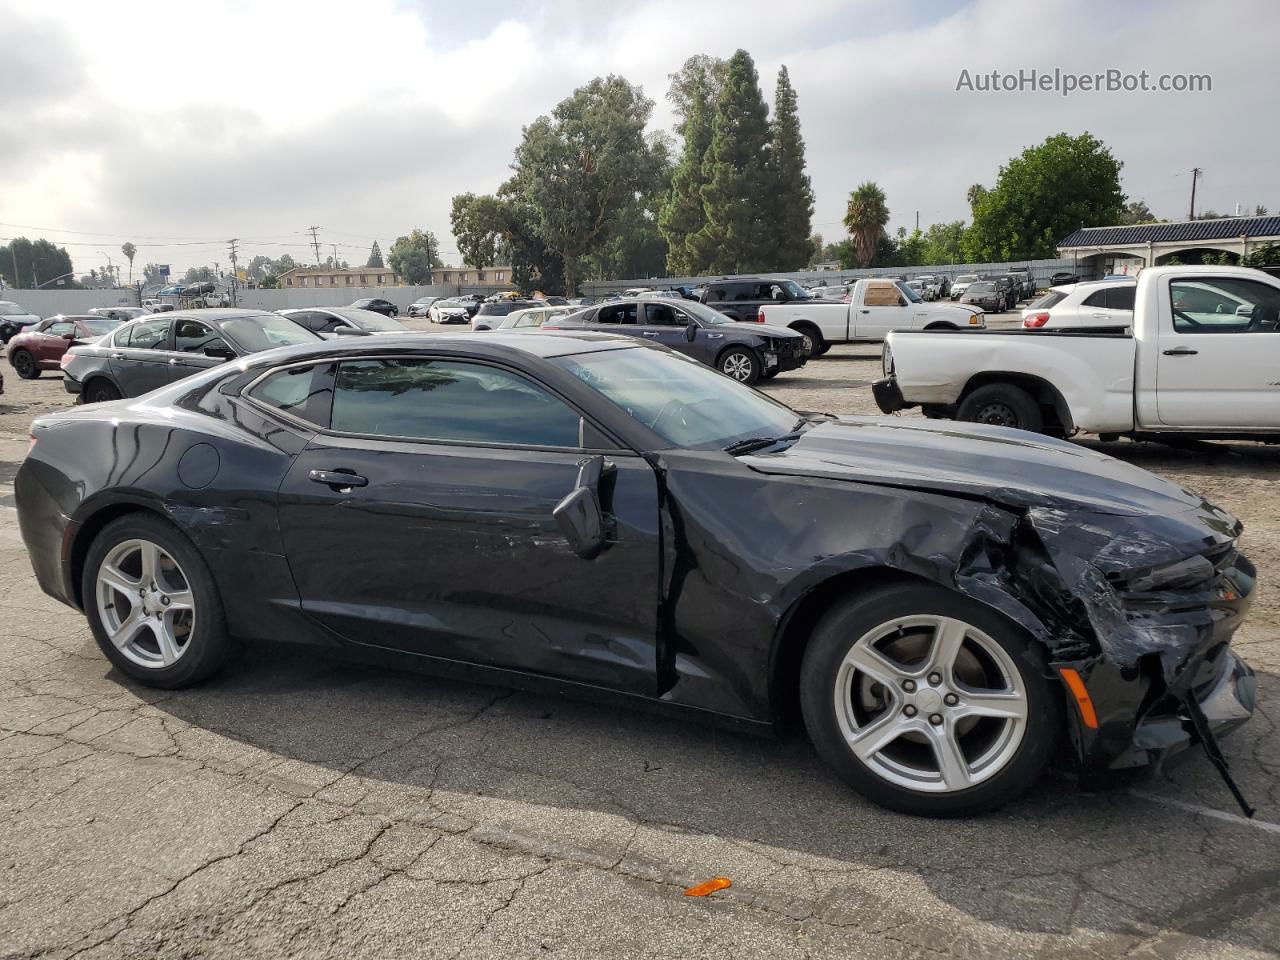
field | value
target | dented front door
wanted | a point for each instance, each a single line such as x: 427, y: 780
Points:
x: 452, y: 551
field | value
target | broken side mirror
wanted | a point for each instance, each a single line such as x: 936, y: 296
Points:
x: 579, y: 515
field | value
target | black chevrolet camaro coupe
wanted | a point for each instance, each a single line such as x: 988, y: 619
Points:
x: 591, y: 513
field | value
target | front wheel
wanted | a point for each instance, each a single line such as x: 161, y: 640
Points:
x: 152, y: 603
x: 741, y: 364
x: 927, y: 702
x: 25, y: 364
x: 1002, y: 405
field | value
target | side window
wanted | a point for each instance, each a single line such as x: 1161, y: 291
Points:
x: 882, y: 295
x: 192, y: 336
x: 659, y: 314
x: 1224, y: 305
x: 714, y: 295
x: 302, y: 391
x: 1121, y: 297
x: 742, y: 291
x: 1096, y: 299
x: 60, y: 329
x: 449, y: 401
x: 620, y: 313
x: 325, y: 322
x: 148, y: 335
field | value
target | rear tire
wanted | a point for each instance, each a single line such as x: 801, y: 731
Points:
x: 101, y: 391
x: 1002, y: 405
x: 814, y: 344
x: 998, y: 718
x: 158, y: 620
x: 25, y: 365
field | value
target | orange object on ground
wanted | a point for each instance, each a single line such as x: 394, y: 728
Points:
x: 709, y: 887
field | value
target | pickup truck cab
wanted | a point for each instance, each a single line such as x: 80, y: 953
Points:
x: 874, y: 307
x: 1202, y: 360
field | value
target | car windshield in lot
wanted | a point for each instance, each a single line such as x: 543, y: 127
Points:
x: 966, y: 278
x: 100, y: 328
x: 687, y: 404
x: 12, y: 310
x: 369, y: 320
x: 256, y: 333
x: 979, y: 288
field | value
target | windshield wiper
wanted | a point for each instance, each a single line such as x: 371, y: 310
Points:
x: 758, y: 443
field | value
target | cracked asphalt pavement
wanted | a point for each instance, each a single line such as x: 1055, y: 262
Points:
x: 304, y: 806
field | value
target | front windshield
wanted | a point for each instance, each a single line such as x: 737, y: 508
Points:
x: 369, y: 320
x: 980, y: 288
x: 11, y: 310
x: 262, y: 333
x: 966, y: 278
x: 908, y: 292
x: 687, y: 404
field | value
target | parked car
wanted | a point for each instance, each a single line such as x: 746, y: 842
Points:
x: 985, y: 295
x: 1063, y: 278
x: 14, y: 318
x: 918, y: 285
x: 556, y: 301
x: 742, y: 298
x: 531, y: 318
x: 1025, y: 281
x: 377, y: 305
x: 490, y: 314
x: 942, y: 602
x: 121, y: 314
x: 961, y: 284
x: 873, y: 308
x: 173, y: 290
x: 1094, y: 305
x: 145, y: 354
x: 930, y: 287
x: 1200, y: 361
x: 152, y: 305
x: 1008, y: 289
x: 41, y: 347
x: 450, y: 311
x: 200, y: 288
x: 421, y: 306
x: 345, y: 321
x: 747, y: 352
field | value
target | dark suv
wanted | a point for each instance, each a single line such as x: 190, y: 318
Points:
x: 747, y: 352
x: 743, y: 298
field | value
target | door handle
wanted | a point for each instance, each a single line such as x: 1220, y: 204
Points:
x: 1181, y: 352
x: 648, y: 334
x: 117, y: 356
x: 175, y: 362
x: 864, y: 311
x: 338, y: 479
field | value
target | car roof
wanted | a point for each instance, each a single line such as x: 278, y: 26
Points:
x: 217, y: 315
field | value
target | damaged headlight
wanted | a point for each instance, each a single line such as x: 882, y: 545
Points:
x: 1179, y: 575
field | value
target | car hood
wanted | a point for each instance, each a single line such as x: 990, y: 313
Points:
x: 1012, y: 468
x: 760, y: 329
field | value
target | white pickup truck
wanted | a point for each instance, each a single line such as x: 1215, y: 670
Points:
x: 1202, y: 360
x: 874, y: 307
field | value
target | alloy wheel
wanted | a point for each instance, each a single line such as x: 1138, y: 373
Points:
x: 738, y: 366
x: 146, y: 604
x: 931, y: 704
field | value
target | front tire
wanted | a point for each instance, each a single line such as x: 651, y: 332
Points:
x: 1002, y: 405
x: 25, y: 364
x: 741, y: 364
x: 152, y: 604
x: 927, y: 702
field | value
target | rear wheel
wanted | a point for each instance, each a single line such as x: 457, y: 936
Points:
x: 25, y: 364
x: 1002, y: 405
x: 152, y: 603
x: 814, y: 345
x: 927, y: 702
x: 741, y: 364
x: 101, y: 391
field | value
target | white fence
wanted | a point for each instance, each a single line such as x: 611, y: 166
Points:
x: 46, y: 303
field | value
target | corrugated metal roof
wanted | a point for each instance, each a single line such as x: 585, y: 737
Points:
x: 1187, y: 231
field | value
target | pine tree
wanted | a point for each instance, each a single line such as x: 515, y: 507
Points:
x: 375, y: 256
x: 792, y: 195
x: 736, y: 170
x: 682, y: 216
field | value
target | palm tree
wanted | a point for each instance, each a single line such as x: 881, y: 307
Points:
x: 866, y: 218
x: 130, y: 251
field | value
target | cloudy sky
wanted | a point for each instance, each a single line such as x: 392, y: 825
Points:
x: 177, y: 125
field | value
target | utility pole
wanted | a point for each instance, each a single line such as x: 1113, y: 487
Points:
x: 17, y: 282
x: 234, y: 272
x: 1195, y: 175
x: 335, y: 255
x: 315, y: 243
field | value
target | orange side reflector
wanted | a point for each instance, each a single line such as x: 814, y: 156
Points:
x: 708, y: 888
x: 1076, y: 685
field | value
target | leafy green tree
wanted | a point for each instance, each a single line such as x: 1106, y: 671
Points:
x: 478, y: 226
x: 911, y: 247
x: 866, y: 217
x: 151, y: 274
x: 944, y: 243
x: 199, y: 275
x: 413, y: 257
x: 737, y: 174
x: 1044, y: 194
x: 790, y: 194
x: 817, y: 250
x: 975, y: 193
x: 269, y: 281
x: 682, y: 215
x: 375, y: 256
x: 37, y: 262
x: 284, y: 264
x: 1264, y: 256
x: 1260, y: 210
x: 130, y: 251
x: 696, y: 84
x: 1137, y: 211
x: 581, y: 167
